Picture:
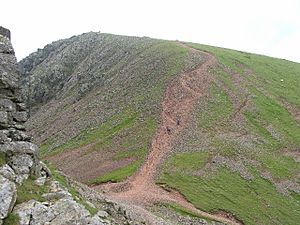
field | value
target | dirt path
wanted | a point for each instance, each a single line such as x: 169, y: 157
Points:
x: 180, y: 98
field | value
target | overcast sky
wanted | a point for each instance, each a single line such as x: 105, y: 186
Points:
x: 260, y: 26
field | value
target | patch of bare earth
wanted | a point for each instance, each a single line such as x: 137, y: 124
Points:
x: 86, y: 167
x: 179, y: 101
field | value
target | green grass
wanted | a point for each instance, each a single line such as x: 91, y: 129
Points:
x: 118, y: 174
x: 280, y: 166
x: 29, y: 190
x: 185, y: 212
x: 11, y: 219
x: 211, y: 116
x: 254, y: 202
x: 100, y: 135
x: 77, y: 197
x: 272, y: 127
x: 187, y: 161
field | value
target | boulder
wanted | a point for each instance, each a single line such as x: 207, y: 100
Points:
x: 7, y: 105
x: 20, y: 116
x: 7, y: 172
x: 8, y: 195
x: 33, y: 213
x: 21, y: 163
x: 22, y: 147
x: 69, y: 212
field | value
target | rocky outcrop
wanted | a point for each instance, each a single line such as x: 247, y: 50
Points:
x: 18, y: 153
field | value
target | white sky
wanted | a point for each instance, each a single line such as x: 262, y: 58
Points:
x: 269, y: 27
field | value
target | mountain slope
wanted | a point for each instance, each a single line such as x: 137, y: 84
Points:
x: 124, y: 80
x: 237, y: 156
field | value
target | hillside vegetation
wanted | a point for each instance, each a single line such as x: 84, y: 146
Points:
x: 96, y: 103
x: 99, y: 98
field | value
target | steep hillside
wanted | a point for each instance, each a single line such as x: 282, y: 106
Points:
x: 109, y: 104
x: 219, y: 126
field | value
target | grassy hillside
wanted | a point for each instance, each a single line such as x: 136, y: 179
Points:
x: 101, y: 101
x: 107, y: 102
x: 242, y: 153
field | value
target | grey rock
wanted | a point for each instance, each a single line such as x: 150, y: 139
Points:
x: 7, y: 105
x: 45, y: 170
x: 21, y: 177
x: 102, y: 214
x: 21, y: 163
x: 95, y: 220
x: 55, y: 186
x: 8, y: 195
x: 7, y: 172
x: 33, y: 213
x: 41, y: 214
x: 4, y: 136
x: 21, y: 106
x: 40, y: 181
x: 69, y: 212
x: 5, y: 32
x: 20, y: 116
x: 3, y: 117
x: 17, y: 135
x: 20, y: 147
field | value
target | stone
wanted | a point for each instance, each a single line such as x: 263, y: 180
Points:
x: 33, y: 213
x: 41, y: 214
x: 69, y: 212
x: 95, y: 220
x: 20, y: 147
x: 21, y: 106
x: 45, y: 170
x: 21, y: 163
x: 4, y: 136
x: 8, y: 195
x: 102, y: 214
x: 21, y: 177
x: 20, y: 116
x: 3, y: 117
x: 7, y: 172
x: 5, y: 32
x: 7, y: 105
x: 18, y: 135
x: 40, y: 181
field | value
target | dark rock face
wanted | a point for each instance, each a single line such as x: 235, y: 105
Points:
x: 5, y: 32
x: 19, y: 154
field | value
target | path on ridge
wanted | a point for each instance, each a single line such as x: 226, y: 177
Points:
x: 180, y: 98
